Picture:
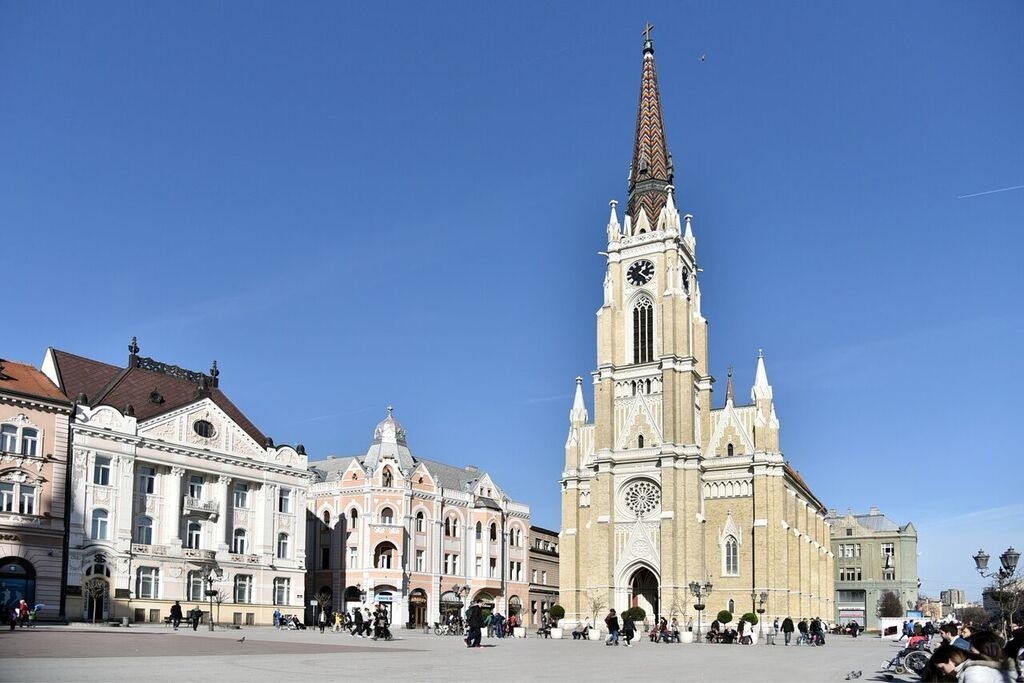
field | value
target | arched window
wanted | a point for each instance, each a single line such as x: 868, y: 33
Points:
x: 384, y: 556
x: 643, y: 331
x: 354, y: 516
x: 732, y: 606
x: 421, y: 521
x: 494, y: 531
x: 100, y: 529
x: 194, y: 586
x: 647, y: 386
x: 447, y: 526
x: 732, y: 566
x: 327, y: 517
x: 283, y: 546
x: 144, y: 531
x: 194, y: 535
x: 479, y: 530
x: 387, y: 480
x: 640, y: 441
x: 729, y: 450
x: 387, y: 516
x: 238, y: 542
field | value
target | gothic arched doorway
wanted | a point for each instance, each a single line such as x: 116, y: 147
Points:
x: 643, y: 591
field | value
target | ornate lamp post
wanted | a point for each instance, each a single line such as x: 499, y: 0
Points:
x: 461, y: 592
x: 761, y: 598
x: 210, y: 574
x: 1003, y: 575
x: 699, y: 592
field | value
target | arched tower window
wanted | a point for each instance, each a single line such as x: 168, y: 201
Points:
x: 729, y: 450
x: 732, y: 606
x: 387, y: 516
x: 479, y: 530
x: 732, y: 565
x: 494, y: 531
x: 643, y: 331
x: 640, y: 441
x: 387, y: 479
x: 421, y: 521
x: 327, y: 517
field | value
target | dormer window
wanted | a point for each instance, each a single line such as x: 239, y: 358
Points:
x: 387, y: 480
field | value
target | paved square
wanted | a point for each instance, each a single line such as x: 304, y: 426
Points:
x: 157, y: 654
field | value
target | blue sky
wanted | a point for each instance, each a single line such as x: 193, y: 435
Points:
x: 356, y: 204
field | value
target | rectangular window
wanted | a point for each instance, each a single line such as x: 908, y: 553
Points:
x: 9, y: 438
x: 478, y: 570
x: 849, y: 532
x: 533, y: 576
x: 6, y: 497
x: 195, y: 486
x: 544, y: 578
x: 888, y: 575
x: 101, y: 471
x: 148, y: 585
x: 284, y: 500
x: 282, y: 591
x: 353, y: 558
x: 241, y: 495
x: 420, y: 561
x: 195, y: 586
x: 243, y: 588
x: 325, y: 558
x: 27, y: 500
x: 29, y: 441
x: 888, y: 550
x: 146, y: 479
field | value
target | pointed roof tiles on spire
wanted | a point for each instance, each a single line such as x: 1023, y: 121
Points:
x: 578, y: 415
x: 651, y: 171
x: 730, y: 393
x: 761, y: 387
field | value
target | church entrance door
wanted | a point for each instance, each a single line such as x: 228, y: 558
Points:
x: 643, y: 591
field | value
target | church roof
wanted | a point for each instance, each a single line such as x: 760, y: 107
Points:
x: 151, y: 387
x: 651, y: 171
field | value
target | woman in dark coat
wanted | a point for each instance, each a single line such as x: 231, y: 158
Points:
x: 628, y: 626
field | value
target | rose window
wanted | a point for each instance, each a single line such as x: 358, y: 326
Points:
x: 643, y: 497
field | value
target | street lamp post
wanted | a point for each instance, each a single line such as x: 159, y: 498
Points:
x: 210, y: 574
x: 761, y: 599
x: 1003, y: 575
x: 699, y: 592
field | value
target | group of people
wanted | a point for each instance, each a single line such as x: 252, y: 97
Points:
x: 973, y: 655
x: 361, y: 622
x: 194, y: 615
x: 808, y: 632
x: 21, y: 614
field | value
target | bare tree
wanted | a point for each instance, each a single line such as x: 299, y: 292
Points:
x: 323, y: 599
x: 95, y: 589
x: 597, y: 602
x: 977, y: 616
x: 219, y: 597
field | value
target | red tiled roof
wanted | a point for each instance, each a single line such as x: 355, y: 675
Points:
x: 106, y: 384
x: 21, y: 378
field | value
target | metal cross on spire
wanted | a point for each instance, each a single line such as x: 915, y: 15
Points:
x: 647, y: 31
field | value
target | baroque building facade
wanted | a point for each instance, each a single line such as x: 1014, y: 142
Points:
x: 175, y: 493
x: 662, y: 489
x: 873, y: 555
x: 543, y: 565
x: 34, y: 418
x: 418, y: 536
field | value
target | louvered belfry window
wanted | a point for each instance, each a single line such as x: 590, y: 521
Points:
x: 643, y: 331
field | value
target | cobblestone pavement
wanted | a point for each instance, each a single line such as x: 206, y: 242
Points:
x: 83, y: 653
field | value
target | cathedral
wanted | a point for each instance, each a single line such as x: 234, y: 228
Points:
x: 669, y: 503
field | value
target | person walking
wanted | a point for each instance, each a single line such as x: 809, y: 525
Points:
x: 323, y: 619
x: 475, y: 622
x: 776, y: 627
x: 196, y: 615
x: 787, y: 629
x: 176, y: 615
x: 277, y: 619
x: 23, y: 613
x: 628, y: 626
x: 612, y: 622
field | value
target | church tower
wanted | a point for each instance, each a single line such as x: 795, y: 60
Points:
x: 637, y: 527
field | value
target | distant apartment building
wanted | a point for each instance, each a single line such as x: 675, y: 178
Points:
x: 953, y: 597
x: 873, y: 555
x: 34, y: 418
x: 543, y: 564
x: 420, y: 537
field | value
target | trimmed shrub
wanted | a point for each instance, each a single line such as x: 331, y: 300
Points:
x: 637, y: 613
x: 750, y: 618
x: 724, y: 617
x: 556, y: 612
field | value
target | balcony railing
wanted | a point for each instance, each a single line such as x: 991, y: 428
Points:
x: 146, y: 549
x: 199, y: 554
x: 192, y: 505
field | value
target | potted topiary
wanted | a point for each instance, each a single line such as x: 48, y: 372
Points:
x: 724, y: 617
x: 556, y: 612
x: 638, y: 614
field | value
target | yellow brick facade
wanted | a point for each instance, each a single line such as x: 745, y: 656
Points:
x: 661, y: 489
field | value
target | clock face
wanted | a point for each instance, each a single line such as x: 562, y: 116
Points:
x: 640, y: 273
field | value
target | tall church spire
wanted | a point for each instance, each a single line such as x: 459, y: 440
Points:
x: 651, y: 171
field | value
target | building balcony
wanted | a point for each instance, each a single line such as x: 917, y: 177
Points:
x: 147, y: 549
x: 242, y: 558
x: 198, y: 506
x: 199, y: 554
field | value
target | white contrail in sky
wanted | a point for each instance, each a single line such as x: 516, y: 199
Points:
x: 1002, y: 189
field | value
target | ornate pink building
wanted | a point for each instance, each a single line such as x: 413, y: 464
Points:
x: 419, y: 536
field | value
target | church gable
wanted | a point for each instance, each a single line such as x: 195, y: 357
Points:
x: 354, y: 474
x: 729, y: 430
x: 640, y: 421
x: 422, y: 479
